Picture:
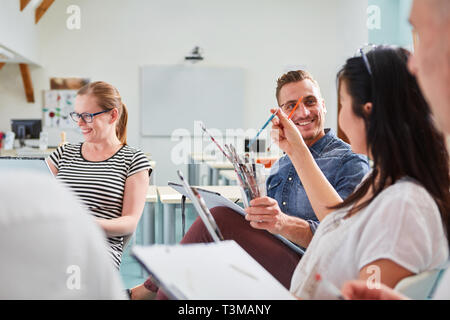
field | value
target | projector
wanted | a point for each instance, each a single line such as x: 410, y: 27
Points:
x: 195, y: 55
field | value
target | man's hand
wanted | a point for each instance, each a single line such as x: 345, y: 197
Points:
x: 265, y: 214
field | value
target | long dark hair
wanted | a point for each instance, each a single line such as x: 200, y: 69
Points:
x: 401, y: 134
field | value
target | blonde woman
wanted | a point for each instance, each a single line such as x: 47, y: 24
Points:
x: 108, y: 176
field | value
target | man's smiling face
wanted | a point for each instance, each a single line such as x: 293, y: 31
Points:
x: 309, y: 117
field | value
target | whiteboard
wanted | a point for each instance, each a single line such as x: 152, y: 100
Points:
x: 174, y: 96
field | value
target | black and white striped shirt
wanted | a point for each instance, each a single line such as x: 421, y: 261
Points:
x: 100, y: 185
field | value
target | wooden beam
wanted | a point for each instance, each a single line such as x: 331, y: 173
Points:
x: 23, y: 4
x: 1, y: 65
x: 42, y: 9
x: 27, y: 83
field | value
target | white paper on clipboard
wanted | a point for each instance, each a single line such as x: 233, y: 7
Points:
x: 228, y: 272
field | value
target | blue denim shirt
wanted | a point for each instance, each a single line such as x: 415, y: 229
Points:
x: 343, y: 169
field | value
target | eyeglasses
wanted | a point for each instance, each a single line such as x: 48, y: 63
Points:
x: 309, y: 101
x: 87, y: 117
x: 363, y: 51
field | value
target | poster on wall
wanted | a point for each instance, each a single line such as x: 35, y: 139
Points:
x: 68, y: 83
x: 58, y: 104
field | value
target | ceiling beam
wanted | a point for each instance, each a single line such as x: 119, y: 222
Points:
x: 23, y: 4
x: 27, y: 83
x: 40, y: 11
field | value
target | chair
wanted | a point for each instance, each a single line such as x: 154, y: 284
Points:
x: 126, y: 240
x: 420, y: 286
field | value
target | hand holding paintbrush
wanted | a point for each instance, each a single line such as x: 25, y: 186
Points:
x: 275, y: 121
x: 250, y: 179
x: 286, y: 134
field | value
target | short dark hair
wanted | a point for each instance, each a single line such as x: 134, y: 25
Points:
x: 293, y: 76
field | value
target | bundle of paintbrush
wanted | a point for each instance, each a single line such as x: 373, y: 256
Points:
x: 251, y: 176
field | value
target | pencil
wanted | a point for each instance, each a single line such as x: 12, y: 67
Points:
x: 296, y: 105
x: 263, y: 127
x: 330, y: 287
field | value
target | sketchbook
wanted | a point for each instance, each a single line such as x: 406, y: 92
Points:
x: 213, y: 271
x: 214, y: 199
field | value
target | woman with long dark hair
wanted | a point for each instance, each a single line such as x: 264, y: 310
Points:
x: 391, y: 226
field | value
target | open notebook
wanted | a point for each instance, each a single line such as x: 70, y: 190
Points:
x: 213, y: 271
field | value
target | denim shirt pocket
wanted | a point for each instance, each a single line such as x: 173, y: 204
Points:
x: 299, y: 204
x: 271, y: 187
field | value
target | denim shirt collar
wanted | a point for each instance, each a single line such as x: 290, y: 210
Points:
x: 317, y: 148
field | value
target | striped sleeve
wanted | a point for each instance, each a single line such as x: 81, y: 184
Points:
x: 56, y: 156
x: 138, y: 163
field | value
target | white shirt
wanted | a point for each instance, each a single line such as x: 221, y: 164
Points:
x: 401, y: 224
x: 51, y: 248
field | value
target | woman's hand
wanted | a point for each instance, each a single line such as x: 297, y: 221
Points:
x: 321, y: 194
x: 285, y: 133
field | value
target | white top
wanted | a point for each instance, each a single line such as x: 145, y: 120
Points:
x: 401, y: 224
x: 51, y: 248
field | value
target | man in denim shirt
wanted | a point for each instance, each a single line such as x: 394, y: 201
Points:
x: 287, y: 210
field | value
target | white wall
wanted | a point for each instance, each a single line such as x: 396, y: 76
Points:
x: 262, y: 36
x: 18, y: 32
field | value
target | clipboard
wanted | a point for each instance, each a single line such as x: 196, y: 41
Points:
x: 215, y: 199
x: 213, y: 271
x: 202, y: 209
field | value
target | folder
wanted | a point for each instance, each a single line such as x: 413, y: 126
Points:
x: 213, y: 271
x: 215, y: 199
